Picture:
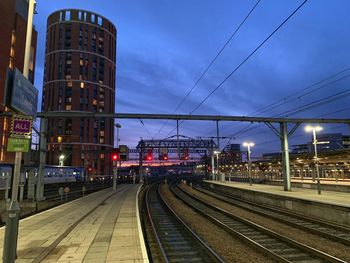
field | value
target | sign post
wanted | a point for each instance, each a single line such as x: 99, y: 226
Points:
x: 24, y: 99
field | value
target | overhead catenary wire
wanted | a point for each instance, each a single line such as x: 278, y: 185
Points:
x: 247, y: 58
x: 319, y: 116
x: 290, y: 98
x: 305, y: 107
x: 145, y: 128
x: 211, y: 62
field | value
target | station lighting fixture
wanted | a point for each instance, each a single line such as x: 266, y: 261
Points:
x: 216, y: 152
x: 314, y: 130
x: 310, y: 128
x: 248, y: 145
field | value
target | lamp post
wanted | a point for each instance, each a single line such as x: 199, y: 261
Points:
x: 217, y: 163
x: 115, y: 170
x: 248, y: 145
x: 315, y: 129
x: 118, y: 126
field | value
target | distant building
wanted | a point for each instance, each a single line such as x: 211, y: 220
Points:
x: 325, y: 142
x: 300, y: 148
x: 272, y: 156
x: 231, y: 154
x: 79, y: 75
x: 13, y: 29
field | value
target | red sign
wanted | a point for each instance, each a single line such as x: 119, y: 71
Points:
x: 21, y: 126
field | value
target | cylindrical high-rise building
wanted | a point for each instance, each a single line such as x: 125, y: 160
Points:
x: 79, y: 75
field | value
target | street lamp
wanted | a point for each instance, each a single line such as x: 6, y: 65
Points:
x: 115, y: 170
x: 61, y: 160
x: 248, y: 145
x: 118, y: 126
x: 315, y: 129
x: 217, y: 162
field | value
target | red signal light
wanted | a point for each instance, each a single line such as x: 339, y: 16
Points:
x: 115, y: 155
x: 149, y: 156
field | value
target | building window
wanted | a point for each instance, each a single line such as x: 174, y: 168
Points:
x: 92, y: 18
x: 99, y: 21
x: 69, y: 84
x: 59, y: 139
x: 82, y: 85
x: 67, y: 15
x: 68, y: 107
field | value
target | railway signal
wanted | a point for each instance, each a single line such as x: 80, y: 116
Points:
x: 115, y: 155
x: 184, y: 155
x: 163, y: 154
x: 149, y: 155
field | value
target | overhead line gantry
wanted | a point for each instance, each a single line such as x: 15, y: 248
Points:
x: 281, y: 131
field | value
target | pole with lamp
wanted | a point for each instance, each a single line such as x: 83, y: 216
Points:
x: 115, y: 159
x: 314, y: 130
x: 217, y: 164
x: 249, y: 145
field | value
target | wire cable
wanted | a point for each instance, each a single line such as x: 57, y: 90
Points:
x: 212, y: 62
x: 250, y: 55
x: 246, y: 59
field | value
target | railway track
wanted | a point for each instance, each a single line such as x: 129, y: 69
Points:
x: 176, y: 241
x: 272, y: 244
x: 334, y: 232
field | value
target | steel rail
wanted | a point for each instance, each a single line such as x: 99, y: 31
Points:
x: 274, y: 245
x: 204, y: 244
x: 329, y: 230
x: 175, y: 239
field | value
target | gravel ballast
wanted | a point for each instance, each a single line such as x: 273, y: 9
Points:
x: 231, y: 249
x: 326, y: 245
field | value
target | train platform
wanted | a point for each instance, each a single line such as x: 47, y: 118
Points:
x: 327, y: 184
x: 329, y: 205
x: 101, y: 227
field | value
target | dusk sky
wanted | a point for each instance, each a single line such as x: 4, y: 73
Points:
x: 164, y: 46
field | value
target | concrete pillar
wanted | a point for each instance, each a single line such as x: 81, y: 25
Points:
x: 285, y: 156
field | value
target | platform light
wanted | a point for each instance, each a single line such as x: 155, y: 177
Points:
x: 248, y: 145
x: 314, y: 130
x: 310, y: 128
